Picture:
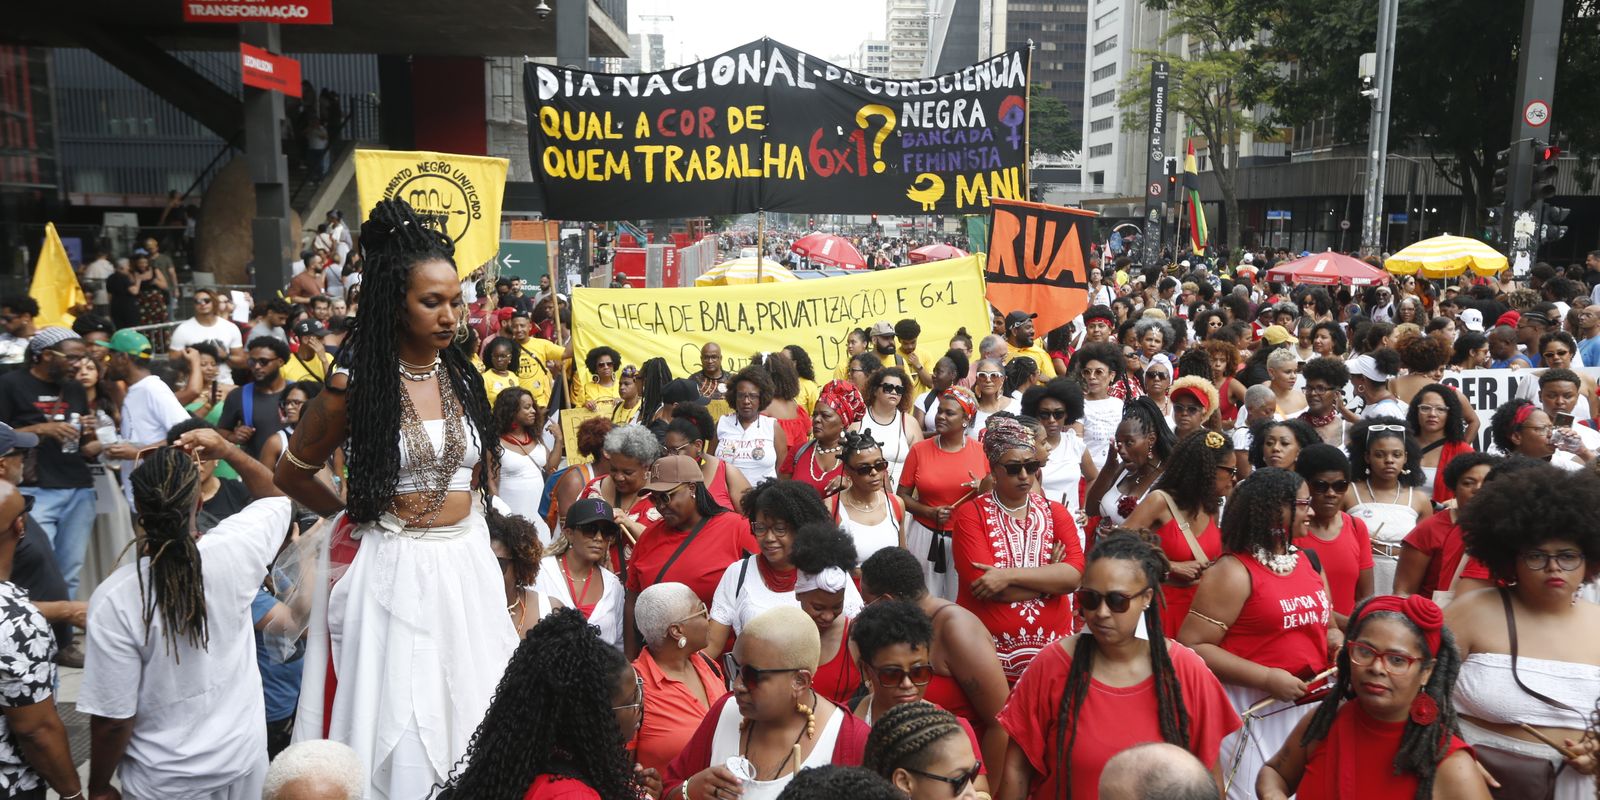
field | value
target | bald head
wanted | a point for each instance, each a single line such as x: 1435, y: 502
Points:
x: 1156, y: 771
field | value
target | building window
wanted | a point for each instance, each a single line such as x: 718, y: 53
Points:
x: 1098, y: 180
x: 1105, y: 19
x: 1100, y: 150
x: 1105, y: 71
x: 1105, y: 45
x: 1102, y: 98
x: 1100, y: 125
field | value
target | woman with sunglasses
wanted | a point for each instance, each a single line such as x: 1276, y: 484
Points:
x: 290, y: 406
x: 777, y: 510
x: 1143, y: 445
x: 1325, y: 411
x: 819, y: 462
x: 889, y: 418
x: 1111, y: 683
x: 773, y: 724
x: 1058, y: 405
x: 1525, y: 662
x: 1386, y: 468
x: 1017, y: 554
x: 601, y: 389
x: 1158, y: 383
x: 559, y: 723
x: 1182, y: 510
x: 1261, y: 618
x: 748, y: 440
x: 694, y: 541
x: 680, y: 683
x: 686, y: 435
x: 1397, y: 738
x: 630, y: 397
x: 574, y: 570
x: 1340, y: 541
x: 926, y: 752
x: 939, y: 473
x: 1433, y: 558
x: 515, y: 542
x: 866, y: 510
x: 629, y: 450
x: 988, y: 380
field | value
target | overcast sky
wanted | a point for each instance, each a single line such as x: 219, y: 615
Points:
x: 831, y: 29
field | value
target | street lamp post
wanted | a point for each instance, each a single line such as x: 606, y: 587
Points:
x: 1378, y: 130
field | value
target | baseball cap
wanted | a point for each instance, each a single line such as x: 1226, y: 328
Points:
x: 13, y: 439
x: 881, y: 328
x: 669, y: 472
x: 309, y: 327
x: 1277, y: 334
x: 681, y: 390
x: 1472, y: 318
x: 47, y: 338
x: 588, y: 511
x: 131, y: 342
x: 1016, y: 318
x: 1249, y: 258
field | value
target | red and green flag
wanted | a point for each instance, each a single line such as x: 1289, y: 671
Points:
x: 1197, y: 213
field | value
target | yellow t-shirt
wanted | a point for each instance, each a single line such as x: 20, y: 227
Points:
x: 808, y: 395
x: 296, y: 370
x: 536, y: 377
x: 1047, y: 368
x: 494, y: 384
x: 599, y: 394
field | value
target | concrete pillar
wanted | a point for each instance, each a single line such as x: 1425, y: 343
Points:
x: 272, y: 237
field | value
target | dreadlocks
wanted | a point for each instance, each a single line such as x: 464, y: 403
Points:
x: 1421, y: 746
x: 653, y: 377
x: 394, y: 240
x: 904, y: 737
x: 1171, y: 714
x: 166, y: 489
x: 551, y: 714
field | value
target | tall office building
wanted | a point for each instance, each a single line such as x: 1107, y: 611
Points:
x: 963, y: 32
x: 1057, y: 29
x: 906, y: 29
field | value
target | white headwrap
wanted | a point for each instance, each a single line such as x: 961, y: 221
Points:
x: 831, y: 579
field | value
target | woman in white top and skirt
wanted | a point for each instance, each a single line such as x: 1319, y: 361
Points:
x: 889, y: 418
x: 416, y: 627
x: 746, y: 439
x: 1387, y: 491
x: 523, y: 458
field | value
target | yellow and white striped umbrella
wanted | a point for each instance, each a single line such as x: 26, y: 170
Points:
x: 742, y: 271
x: 1446, y: 257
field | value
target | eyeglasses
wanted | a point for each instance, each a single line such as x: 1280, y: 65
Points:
x: 604, y: 364
x: 638, y: 682
x: 750, y: 676
x: 595, y: 530
x: 1385, y: 428
x: 703, y: 612
x: 870, y: 467
x: 1566, y: 559
x: 1232, y: 471
x: 659, y: 499
x: 1542, y: 430
x: 1058, y: 414
x: 1302, y: 502
x: 1428, y: 408
x: 680, y: 449
x: 1186, y: 409
x: 1031, y: 467
x: 891, y: 388
x: 1118, y: 602
x: 991, y: 375
x: 891, y: 677
x: 70, y: 359
x: 1317, y: 389
x: 1362, y: 655
x: 1323, y: 487
x: 202, y: 301
x: 758, y: 530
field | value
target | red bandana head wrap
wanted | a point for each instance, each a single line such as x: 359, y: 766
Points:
x: 845, y: 400
x: 964, y: 398
x: 1422, y: 612
x: 1522, y: 415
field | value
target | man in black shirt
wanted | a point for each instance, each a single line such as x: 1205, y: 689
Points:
x: 251, y: 431
x: 46, y: 401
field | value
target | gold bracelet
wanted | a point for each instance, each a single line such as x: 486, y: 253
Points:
x: 289, y: 454
x: 1217, y: 622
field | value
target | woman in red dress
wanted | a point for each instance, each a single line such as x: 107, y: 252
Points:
x: 1341, y: 541
x: 1182, y: 510
x: 1397, y: 741
x: 818, y: 463
x: 1261, y: 618
x: 1016, y: 552
x: 1433, y: 558
x: 1087, y: 698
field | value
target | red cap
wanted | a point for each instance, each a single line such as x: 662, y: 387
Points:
x: 1509, y: 318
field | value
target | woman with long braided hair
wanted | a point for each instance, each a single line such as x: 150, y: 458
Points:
x: 559, y: 723
x: 925, y: 752
x: 1262, y: 618
x: 170, y: 679
x: 1398, y: 740
x: 1109, y: 680
x: 417, y: 624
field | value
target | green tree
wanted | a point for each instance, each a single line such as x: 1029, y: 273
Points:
x: 1455, y: 79
x: 1214, y: 82
x: 1052, y: 128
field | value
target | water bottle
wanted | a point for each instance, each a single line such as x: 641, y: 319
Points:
x: 71, y: 443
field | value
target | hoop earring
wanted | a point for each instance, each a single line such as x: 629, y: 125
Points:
x: 462, y: 330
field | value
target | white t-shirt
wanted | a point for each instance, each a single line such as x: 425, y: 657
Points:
x: 734, y: 605
x: 221, y: 332
x: 191, y: 706
x: 99, y: 270
x: 1100, y: 421
x: 149, y: 409
x: 1064, y: 471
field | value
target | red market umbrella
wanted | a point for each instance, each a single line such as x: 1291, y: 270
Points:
x: 829, y: 250
x: 1328, y: 269
x: 935, y: 252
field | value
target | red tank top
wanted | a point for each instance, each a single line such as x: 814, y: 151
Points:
x: 1284, y: 621
x: 1176, y: 547
x: 838, y: 679
x: 1225, y: 405
x: 945, y: 691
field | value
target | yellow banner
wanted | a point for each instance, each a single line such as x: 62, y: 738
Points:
x: 55, y: 286
x: 461, y: 195
x: 817, y: 315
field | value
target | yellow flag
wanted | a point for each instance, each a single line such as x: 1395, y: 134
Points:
x: 55, y: 286
x: 461, y: 195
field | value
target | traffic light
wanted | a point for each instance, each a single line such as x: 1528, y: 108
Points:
x: 1551, y: 228
x: 1502, y: 177
x: 1542, y: 178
